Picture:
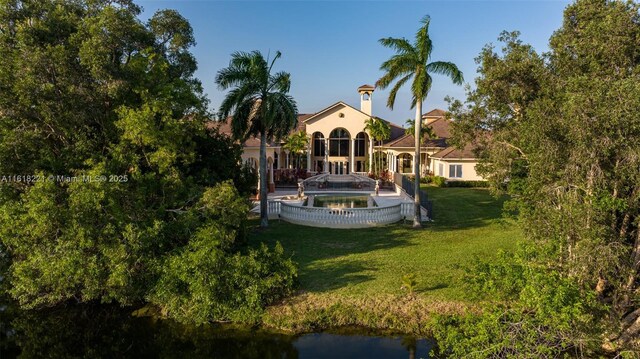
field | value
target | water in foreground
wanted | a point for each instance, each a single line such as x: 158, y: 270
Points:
x: 107, y: 332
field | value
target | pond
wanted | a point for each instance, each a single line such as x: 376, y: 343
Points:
x: 109, y: 332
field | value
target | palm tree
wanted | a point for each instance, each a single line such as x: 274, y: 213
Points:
x: 296, y: 144
x: 379, y: 131
x: 412, y: 61
x: 259, y: 105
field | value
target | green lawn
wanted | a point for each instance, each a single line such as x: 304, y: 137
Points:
x: 365, y: 263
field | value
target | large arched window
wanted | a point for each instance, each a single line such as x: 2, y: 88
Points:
x: 318, y: 144
x: 339, y: 142
x: 360, y: 145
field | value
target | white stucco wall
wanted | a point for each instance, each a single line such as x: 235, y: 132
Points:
x: 468, y: 169
x: 353, y: 121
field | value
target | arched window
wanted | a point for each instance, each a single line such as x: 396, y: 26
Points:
x: 360, y: 145
x: 339, y: 142
x: 318, y: 144
x: 405, y: 164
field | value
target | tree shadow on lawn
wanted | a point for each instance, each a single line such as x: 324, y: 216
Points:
x: 324, y: 277
x: 321, y: 253
x: 461, y: 208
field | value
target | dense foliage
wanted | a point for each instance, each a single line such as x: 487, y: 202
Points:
x: 560, y: 133
x: 113, y: 185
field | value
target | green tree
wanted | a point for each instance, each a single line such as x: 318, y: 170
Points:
x: 297, y: 143
x: 90, y: 90
x: 259, y: 105
x: 412, y: 61
x: 132, y: 188
x: 379, y: 131
x: 559, y: 132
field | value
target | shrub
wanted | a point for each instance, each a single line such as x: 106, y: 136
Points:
x: 533, y: 312
x: 475, y: 184
x: 209, y: 280
x: 438, y: 181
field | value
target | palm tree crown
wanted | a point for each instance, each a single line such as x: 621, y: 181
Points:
x: 412, y: 61
x: 259, y: 105
x: 296, y: 144
x: 379, y: 131
x: 258, y: 102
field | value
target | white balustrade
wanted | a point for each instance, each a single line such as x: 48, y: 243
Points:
x: 273, y: 207
x: 407, y: 209
x: 341, y: 217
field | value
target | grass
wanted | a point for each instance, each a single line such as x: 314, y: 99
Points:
x: 355, y: 277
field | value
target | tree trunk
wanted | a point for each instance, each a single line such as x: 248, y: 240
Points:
x: 416, y: 167
x: 264, y: 216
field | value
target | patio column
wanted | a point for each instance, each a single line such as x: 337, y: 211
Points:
x: 326, y: 155
x: 370, y: 155
x: 286, y: 163
x: 272, y: 185
x: 352, y: 154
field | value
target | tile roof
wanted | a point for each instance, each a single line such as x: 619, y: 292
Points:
x: 440, y: 127
x: 452, y: 152
x: 225, y: 128
x: 436, y: 112
x: 366, y: 87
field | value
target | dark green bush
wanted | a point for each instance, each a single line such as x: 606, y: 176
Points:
x: 475, y: 184
x: 208, y: 280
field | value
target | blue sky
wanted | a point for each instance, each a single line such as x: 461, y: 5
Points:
x: 331, y: 47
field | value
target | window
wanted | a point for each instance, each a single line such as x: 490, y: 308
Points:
x: 455, y: 171
x: 339, y: 142
x: 440, y: 170
x: 360, y: 145
x: 318, y: 144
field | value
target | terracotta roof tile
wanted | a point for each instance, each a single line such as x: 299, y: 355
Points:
x: 452, y: 152
x: 225, y: 128
x: 435, y: 113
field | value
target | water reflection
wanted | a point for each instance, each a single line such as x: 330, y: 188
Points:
x: 109, y: 332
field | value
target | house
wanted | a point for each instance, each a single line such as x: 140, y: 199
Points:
x: 339, y: 144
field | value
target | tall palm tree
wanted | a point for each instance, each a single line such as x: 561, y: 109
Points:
x: 379, y: 131
x: 412, y: 61
x: 259, y: 105
x: 296, y: 144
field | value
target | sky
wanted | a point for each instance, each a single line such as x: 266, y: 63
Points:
x: 330, y: 48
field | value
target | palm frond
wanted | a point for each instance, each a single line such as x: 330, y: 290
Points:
x: 420, y: 87
x: 448, y: 69
x: 401, y: 45
x: 394, y: 91
x: 280, y: 81
x: 423, y: 43
x: 281, y: 115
